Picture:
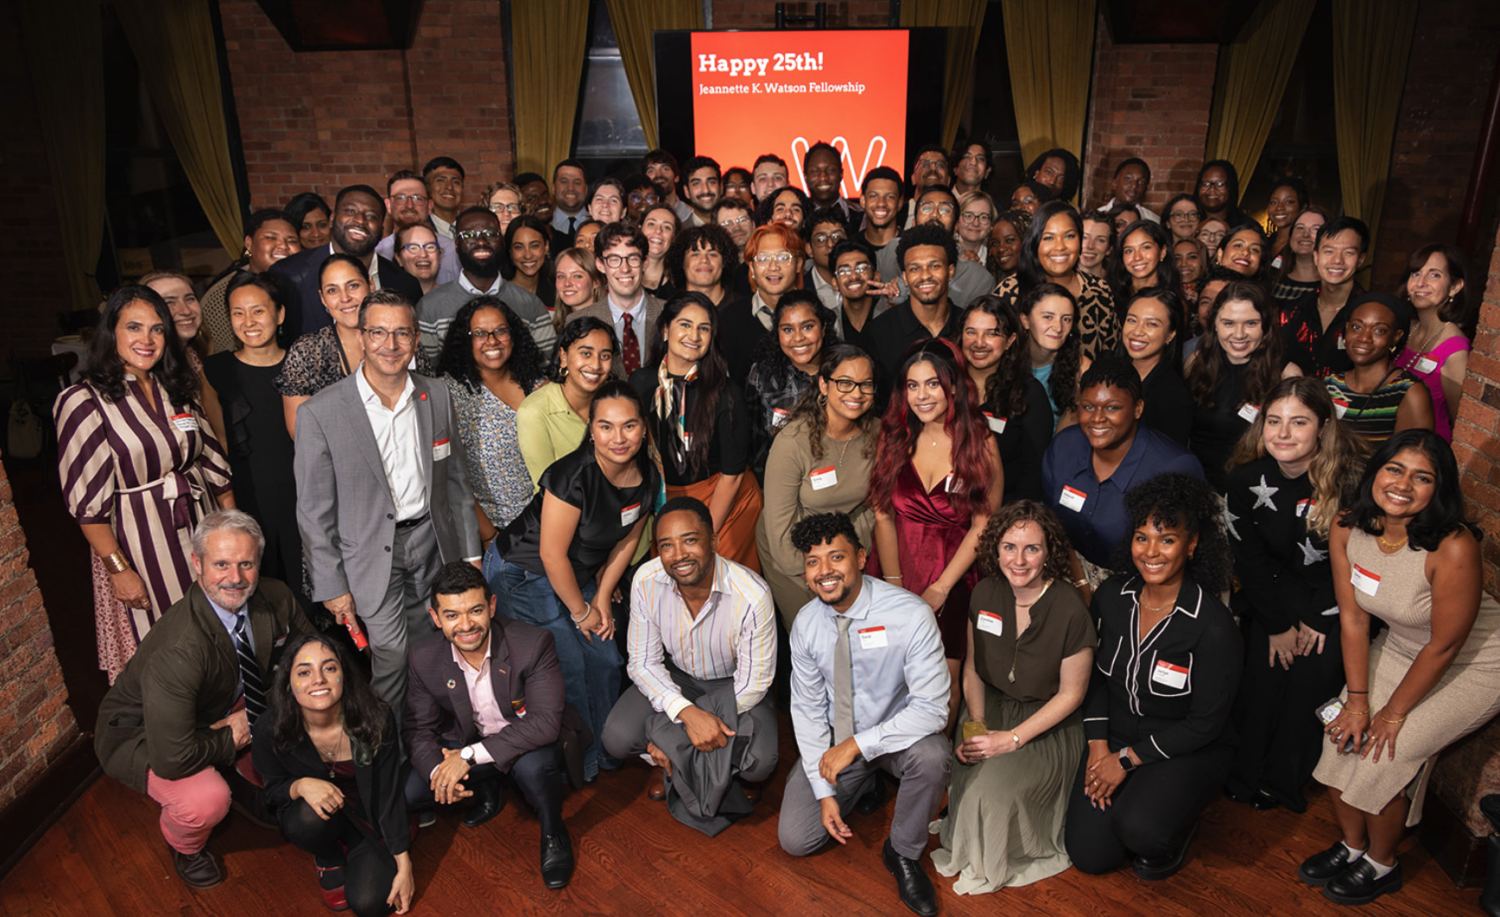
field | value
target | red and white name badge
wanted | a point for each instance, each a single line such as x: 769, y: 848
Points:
x: 1173, y: 676
x: 872, y: 638
x: 1248, y: 412
x: 1305, y: 506
x: 1425, y: 364
x: 185, y: 422
x: 440, y: 449
x: 1072, y: 498
x: 823, y: 478
x: 997, y: 424
x: 779, y: 416
x: 1340, y: 407
x: 990, y: 623
x: 1364, y: 580
x: 629, y: 514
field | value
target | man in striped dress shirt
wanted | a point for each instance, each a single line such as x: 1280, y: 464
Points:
x: 700, y: 625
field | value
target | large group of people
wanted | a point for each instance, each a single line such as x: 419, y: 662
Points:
x: 1073, y: 520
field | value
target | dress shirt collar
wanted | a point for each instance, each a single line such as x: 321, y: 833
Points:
x: 560, y: 218
x: 230, y: 618
x: 762, y: 312
x: 464, y: 663
x: 857, y: 611
x: 637, y: 311
x: 463, y: 281
x: 371, y: 398
x: 444, y: 228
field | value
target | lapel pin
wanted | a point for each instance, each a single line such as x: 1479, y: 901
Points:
x: 452, y: 684
x: 421, y: 396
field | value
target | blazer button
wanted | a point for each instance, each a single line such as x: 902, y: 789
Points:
x: 390, y: 515
x: 387, y: 549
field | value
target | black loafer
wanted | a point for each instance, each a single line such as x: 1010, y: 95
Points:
x: 1154, y: 869
x: 1319, y: 868
x: 912, y: 882
x: 1263, y: 801
x: 200, y: 870
x: 486, y: 805
x: 874, y: 800
x: 557, y: 860
x: 1358, y: 884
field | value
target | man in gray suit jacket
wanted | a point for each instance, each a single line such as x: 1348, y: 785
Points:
x: 383, y: 495
x: 625, y: 307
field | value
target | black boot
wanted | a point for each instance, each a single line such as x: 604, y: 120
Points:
x: 1489, y: 899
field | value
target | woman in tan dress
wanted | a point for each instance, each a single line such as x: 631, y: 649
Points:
x: 819, y: 462
x: 1404, y: 553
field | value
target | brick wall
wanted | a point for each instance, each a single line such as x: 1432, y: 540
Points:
x: 1442, y: 106
x: 1476, y: 433
x: 1150, y: 101
x: 36, y: 723
x: 321, y: 120
x: 761, y: 14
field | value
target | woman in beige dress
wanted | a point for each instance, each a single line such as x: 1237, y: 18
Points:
x: 1404, y: 553
x: 819, y: 462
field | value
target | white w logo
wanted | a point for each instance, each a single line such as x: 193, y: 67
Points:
x: 851, y: 174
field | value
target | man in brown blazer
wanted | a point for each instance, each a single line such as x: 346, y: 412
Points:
x: 627, y: 308
x: 485, y: 698
x: 184, y: 706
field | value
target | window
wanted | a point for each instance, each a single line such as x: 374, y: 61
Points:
x: 608, y: 125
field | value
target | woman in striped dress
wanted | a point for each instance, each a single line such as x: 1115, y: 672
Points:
x: 1377, y: 397
x: 139, y: 467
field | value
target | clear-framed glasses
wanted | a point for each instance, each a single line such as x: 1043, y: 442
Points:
x: 846, y: 386
x: 929, y: 208
x: 408, y: 198
x: 734, y: 221
x: 979, y: 218
x: 474, y: 235
x: 502, y: 207
x: 417, y: 248
x: 781, y: 257
x: 931, y: 164
x: 861, y: 269
x: 828, y: 238
x: 614, y: 261
x: 501, y: 333
x: 378, y: 335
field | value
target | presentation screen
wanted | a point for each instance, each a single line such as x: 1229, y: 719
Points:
x: 735, y: 96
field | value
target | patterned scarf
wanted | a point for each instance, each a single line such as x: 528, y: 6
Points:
x: 670, y: 401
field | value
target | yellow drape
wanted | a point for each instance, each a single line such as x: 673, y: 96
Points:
x: 1253, y: 71
x: 173, y: 41
x: 549, y: 41
x: 1371, y: 44
x: 65, y: 52
x: 963, y: 19
x: 1050, y: 47
x: 634, y: 21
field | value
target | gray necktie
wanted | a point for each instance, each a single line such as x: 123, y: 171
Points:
x: 843, y: 685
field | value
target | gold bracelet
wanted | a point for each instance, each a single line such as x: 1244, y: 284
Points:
x: 1391, y: 721
x: 1357, y: 712
x: 1080, y: 583
x: 116, y: 562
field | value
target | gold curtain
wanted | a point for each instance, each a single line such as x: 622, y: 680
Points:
x: 634, y: 21
x: 1253, y: 71
x: 963, y: 19
x: 1050, y: 47
x: 1371, y: 44
x: 173, y: 41
x: 549, y: 41
x: 65, y: 52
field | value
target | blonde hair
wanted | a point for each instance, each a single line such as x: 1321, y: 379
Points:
x: 584, y: 259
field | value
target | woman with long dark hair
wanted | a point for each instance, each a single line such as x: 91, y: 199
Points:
x: 1049, y: 313
x: 1151, y: 339
x: 1218, y: 187
x: 1404, y: 553
x: 700, y: 423
x: 1377, y: 397
x: 311, y: 216
x: 331, y: 762
x: 997, y: 354
x: 659, y: 224
x: 1287, y: 201
x: 553, y: 419
x: 1243, y: 250
x: 1143, y: 259
x: 803, y: 327
x: 528, y: 264
x: 1049, y: 254
x: 1437, y: 350
x: 139, y: 467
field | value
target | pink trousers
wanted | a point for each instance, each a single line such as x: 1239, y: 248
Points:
x: 190, y: 807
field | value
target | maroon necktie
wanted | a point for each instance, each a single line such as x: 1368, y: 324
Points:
x: 630, y: 348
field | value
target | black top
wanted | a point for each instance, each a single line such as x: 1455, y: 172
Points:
x: 729, y: 452
x: 1218, y: 428
x: 1171, y: 693
x: 1028, y: 669
x: 1316, y: 350
x: 859, y: 337
x: 607, y: 514
x: 896, y: 329
x: 1285, y: 573
x: 1169, y: 405
x: 740, y: 335
x: 1023, y: 442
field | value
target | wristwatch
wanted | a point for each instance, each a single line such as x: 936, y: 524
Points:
x: 467, y: 753
x: 1126, y: 764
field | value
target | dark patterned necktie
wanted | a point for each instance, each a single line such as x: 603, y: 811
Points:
x: 255, y: 692
x: 630, y: 348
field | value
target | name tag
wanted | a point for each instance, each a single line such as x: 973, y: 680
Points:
x: 990, y: 623
x: 629, y: 514
x: 1425, y: 365
x: 1364, y: 580
x: 1072, y: 498
x: 872, y: 638
x: 440, y: 450
x: 997, y: 424
x: 1341, y: 342
x: 187, y: 423
x: 518, y: 707
x: 1248, y: 412
x: 779, y: 416
x: 1340, y: 407
x: 824, y: 478
x: 1303, y: 506
x: 1173, y: 676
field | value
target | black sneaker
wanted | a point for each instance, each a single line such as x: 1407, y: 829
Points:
x: 1319, y: 868
x: 1358, y: 884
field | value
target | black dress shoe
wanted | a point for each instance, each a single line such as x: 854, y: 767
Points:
x: 1239, y: 796
x: 557, y: 860
x: 199, y: 870
x: 486, y: 805
x: 1317, y: 869
x: 1358, y: 885
x: 874, y: 800
x: 1154, y: 869
x: 912, y: 882
x: 1263, y: 801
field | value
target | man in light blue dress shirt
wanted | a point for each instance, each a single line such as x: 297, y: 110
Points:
x: 869, y: 690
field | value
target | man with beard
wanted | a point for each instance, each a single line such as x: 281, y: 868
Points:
x: 1131, y: 182
x: 930, y: 170
x: 407, y: 201
x: 536, y: 200
x: 853, y: 269
x: 938, y: 206
x: 570, y: 188
x: 383, y: 497
x: 661, y: 167
x: 892, y: 722
x: 703, y: 189
x: 823, y: 170
x: 702, y: 639
x: 487, y: 699
x: 481, y: 252
x: 928, y: 254
x: 358, y: 215
x: 178, y: 718
x: 445, y: 186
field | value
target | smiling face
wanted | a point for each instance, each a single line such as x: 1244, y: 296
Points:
x: 1023, y: 554
x: 738, y: 223
x: 1049, y: 322
x: 390, y: 338
x: 1095, y: 246
x: 575, y: 286
x: 1141, y: 256
x: 1283, y: 207
x: 586, y: 234
x: 786, y: 208
x: 703, y: 189
x: 983, y: 342
x: 833, y: 571
x: 273, y: 240
x: 1405, y: 485
x: 882, y: 202
x: 736, y: 184
x: 688, y: 336
x: 1023, y: 198
x: 974, y: 222
x: 664, y: 177
x: 1370, y: 335
x: 703, y: 267
x: 686, y: 547
x: 800, y: 334
x: 1432, y: 284
x: 973, y: 166
x: 659, y: 225
x: 618, y: 430
x: 182, y: 303
x: 823, y: 173
x: 140, y: 337
x: 774, y: 269
x: 569, y: 185
x: 419, y: 254
x: 465, y: 619
x: 505, y: 204
x: 489, y: 336
x: 1005, y: 246
x: 1243, y: 252
x: 937, y: 206
x: 824, y: 237
x: 1305, y: 232
x: 925, y: 396
x: 1183, y: 219
x: 1130, y: 184
x: 587, y: 361
x: 445, y: 185
x: 1213, y: 189
x: 1338, y: 257
x: 1148, y: 329
x: 1107, y: 414
x: 1060, y: 247
x: 623, y: 266
x: 930, y: 170
x: 768, y: 176
x: 1161, y: 554
x: 851, y: 274
x: 1211, y: 232
x: 315, y: 229
x: 1240, y: 330
x: 1189, y: 262
x: 528, y: 251
x: 1290, y: 433
x: 639, y: 201
x: 927, y: 273
x: 357, y: 223
x: 254, y: 317
x: 342, y: 288
x: 317, y: 680
x: 607, y: 205
x: 229, y: 568
x: 857, y: 375
x: 408, y: 203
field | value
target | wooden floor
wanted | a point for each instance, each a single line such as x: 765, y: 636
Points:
x: 106, y: 857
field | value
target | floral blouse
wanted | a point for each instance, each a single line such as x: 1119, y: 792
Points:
x: 497, y: 470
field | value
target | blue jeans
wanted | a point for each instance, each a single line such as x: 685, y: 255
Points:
x: 590, y: 668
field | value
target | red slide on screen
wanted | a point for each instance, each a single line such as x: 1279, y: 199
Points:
x: 781, y: 92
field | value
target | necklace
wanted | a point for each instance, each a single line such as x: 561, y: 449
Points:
x: 1160, y: 607
x: 1427, y: 342
x: 1395, y: 545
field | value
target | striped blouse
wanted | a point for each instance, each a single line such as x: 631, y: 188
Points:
x: 1372, y: 416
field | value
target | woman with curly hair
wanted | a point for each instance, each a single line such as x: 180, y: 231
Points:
x: 1049, y: 313
x: 787, y: 366
x: 994, y: 345
x: 1405, y: 553
x: 1031, y: 646
x: 139, y: 467
x: 936, y: 481
x: 1050, y: 254
x: 1160, y: 743
x: 1292, y: 472
x: 331, y: 761
x: 820, y: 462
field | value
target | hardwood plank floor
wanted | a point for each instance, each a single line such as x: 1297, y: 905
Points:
x: 106, y: 857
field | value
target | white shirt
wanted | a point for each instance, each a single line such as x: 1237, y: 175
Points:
x: 1140, y: 208
x: 827, y: 294
x: 374, y: 270
x: 762, y: 312
x: 444, y: 228
x: 637, y: 315
x: 396, y: 435
x: 560, y: 219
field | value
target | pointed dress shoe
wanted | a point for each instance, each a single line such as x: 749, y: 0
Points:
x: 1358, y: 884
x: 200, y: 870
x: 486, y: 805
x: 1319, y: 868
x: 912, y: 882
x: 557, y: 860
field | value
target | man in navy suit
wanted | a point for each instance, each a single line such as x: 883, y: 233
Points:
x: 485, y: 699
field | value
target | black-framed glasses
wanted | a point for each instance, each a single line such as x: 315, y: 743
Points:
x: 846, y: 386
x: 614, y: 261
x: 981, y: 219
x: 499, y: 334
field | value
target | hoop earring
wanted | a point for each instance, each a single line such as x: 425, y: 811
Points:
x: 822, y: 400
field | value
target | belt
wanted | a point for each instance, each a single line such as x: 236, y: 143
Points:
x: 412, y: 523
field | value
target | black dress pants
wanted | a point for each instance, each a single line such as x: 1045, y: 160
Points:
x: 538, y: 774
x: 369, y: 868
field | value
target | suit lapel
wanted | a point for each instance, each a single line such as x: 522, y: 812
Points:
x: 458, y: 690
x: 503, y: 675
x: 423, y: 403
x: 262, y: 631
x: 364, y: 435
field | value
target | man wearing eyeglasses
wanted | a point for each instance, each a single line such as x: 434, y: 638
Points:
x: 408, y: 204
x: 853, y: 275
x: 931, y: 169
x: 383, y: 496
x: 481, y: 253
x: 620, y: 253
x: 828, y: 230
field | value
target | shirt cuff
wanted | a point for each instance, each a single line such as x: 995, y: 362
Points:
x: 1096, y: 728
x: 675, y: 707
x: 481, y: 755
x: 470, y: 560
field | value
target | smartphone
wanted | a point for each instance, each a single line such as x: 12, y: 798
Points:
x: 1329, y: 712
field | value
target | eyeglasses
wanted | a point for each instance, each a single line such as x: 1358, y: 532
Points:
x: 644, y: 199
x: 417, y: 248
x: 982, y: 219
x: 500, y: 334
x: 1184, y: 216
x: 929, y: 208
x: 1221, y: 183
x: 505, y: 208
x: 781, y: 257
x: 845, y: 270
x: 846, y: 386
x: 474, y: 235
x: 377, y: 336
x: 408, y: 198
x: 931, y: 165
x: 615, y: 261
x: 734, y: 221
x: 828, y: 238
